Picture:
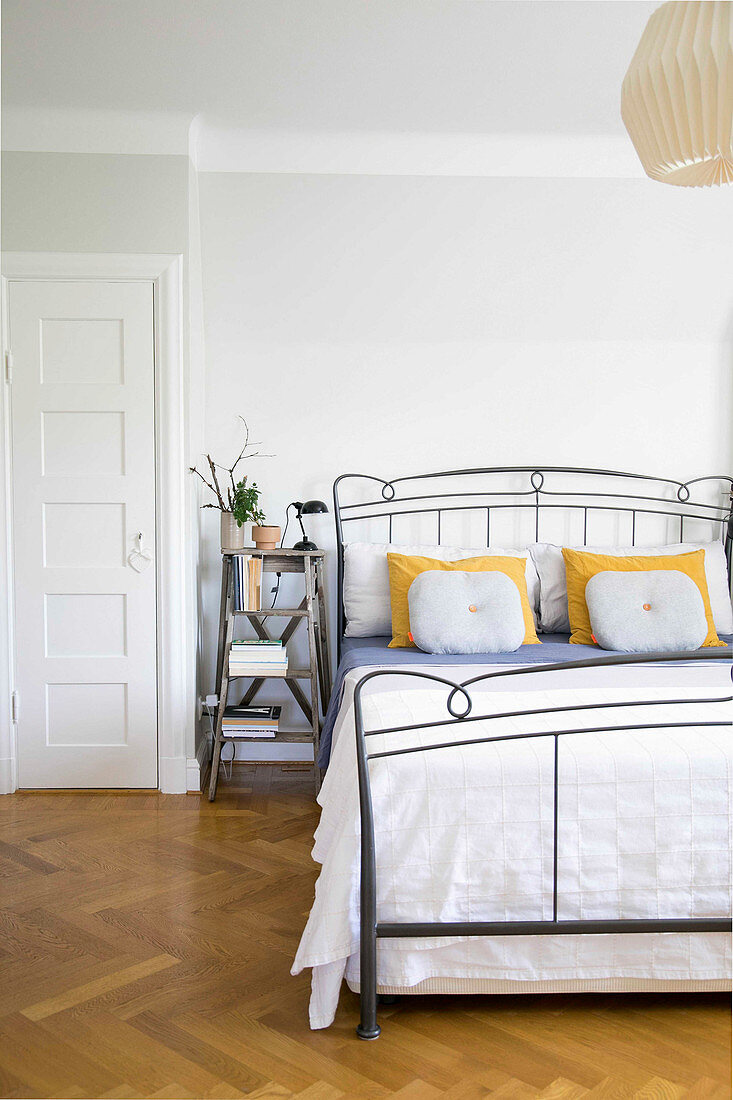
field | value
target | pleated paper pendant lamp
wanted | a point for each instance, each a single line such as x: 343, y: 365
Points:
x: 677, y: 96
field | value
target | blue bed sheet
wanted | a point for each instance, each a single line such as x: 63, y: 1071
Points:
x: 362, y: 652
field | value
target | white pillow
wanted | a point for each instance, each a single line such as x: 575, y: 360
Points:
x: 366, y: 580
x: 550, y: 565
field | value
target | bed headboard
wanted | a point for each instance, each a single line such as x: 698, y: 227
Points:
x: 549, y: 504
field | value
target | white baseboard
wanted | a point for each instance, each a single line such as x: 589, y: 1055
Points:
x: 197, y: 765
x: 173, y: 774
x: 8, y: 776
x: 203, y: 751
x: 176, y: 775
x: 193, y: 774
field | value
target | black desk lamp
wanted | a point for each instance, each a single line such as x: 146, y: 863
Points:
x: 310, y: 508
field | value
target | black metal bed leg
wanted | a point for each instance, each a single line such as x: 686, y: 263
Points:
x: 368, y: 1027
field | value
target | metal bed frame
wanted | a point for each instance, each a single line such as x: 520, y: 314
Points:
x: 537, y: 489
x: 459, y: 703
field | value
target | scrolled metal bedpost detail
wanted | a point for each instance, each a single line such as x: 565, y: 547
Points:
x: 636, y: 495
x: 368, y: 1027
x: 537, y: 480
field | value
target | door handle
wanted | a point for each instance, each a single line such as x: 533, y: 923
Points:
x: 139, y: 557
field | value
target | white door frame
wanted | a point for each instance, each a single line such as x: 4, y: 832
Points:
x: 173, y: 646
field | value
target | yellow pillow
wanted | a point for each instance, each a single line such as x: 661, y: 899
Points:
x: 580, y: 567
x: 403, y: 569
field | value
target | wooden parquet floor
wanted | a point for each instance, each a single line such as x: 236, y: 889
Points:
x: 145, y: 948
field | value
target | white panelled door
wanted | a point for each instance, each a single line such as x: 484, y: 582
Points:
x: 83, y: 450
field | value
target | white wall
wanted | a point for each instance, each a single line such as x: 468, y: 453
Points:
x: 401, y: 324
x: 93, y: 202
x: 398, y: 324
x: 90, y: 202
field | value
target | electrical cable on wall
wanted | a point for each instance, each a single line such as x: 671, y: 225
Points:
x: 276, y: 589
x: 224, y: 762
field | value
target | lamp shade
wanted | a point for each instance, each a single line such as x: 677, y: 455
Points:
x: 677, y: 96
x: 313, y: 508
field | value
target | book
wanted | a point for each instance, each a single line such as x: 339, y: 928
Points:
x: 260, y: 654
x: 236, y: 732
x: 259, y: 723
x: 251, y: 721
x: 230, y: 721
x: 270, y: 650
x: 255, y: 659
x: 258, y: 657
x: 248, y: 669
x: 260, y: 714
x: 247, y: 572
x: 268, y: 727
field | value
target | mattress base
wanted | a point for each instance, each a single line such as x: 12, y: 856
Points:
x: 440, y: 985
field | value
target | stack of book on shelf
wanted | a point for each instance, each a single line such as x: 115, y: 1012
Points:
x: 247, y: 582
x: 258, y: 658
x: 250, y: 721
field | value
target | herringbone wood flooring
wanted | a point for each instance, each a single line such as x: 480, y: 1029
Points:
x: 145, y: 948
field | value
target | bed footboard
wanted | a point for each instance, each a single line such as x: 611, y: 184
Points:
x: 459, y: 706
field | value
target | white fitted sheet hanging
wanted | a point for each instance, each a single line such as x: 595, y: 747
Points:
x: 466, y: 834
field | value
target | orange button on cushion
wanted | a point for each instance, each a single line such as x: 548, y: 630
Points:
x: 471, y: 607
x: 647, y: 607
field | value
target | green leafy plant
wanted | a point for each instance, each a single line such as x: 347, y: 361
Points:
x: 245, y: 504
x: 239, y: 497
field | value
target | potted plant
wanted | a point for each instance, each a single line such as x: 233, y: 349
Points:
x: 238, y: 500
x: 246, y: 507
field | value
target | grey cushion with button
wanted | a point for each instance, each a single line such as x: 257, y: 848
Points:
x: 456, y: 612
x: 659, y: 610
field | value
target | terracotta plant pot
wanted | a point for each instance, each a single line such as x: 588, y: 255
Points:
x: 265, y: 538
x: 232, y: 537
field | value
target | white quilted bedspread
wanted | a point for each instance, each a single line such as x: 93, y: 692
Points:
x: 466, y: 834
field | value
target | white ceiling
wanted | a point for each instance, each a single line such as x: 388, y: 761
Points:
x: 427, y: 65
x: 322, y: 67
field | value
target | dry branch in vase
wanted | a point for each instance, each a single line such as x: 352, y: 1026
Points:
x: 238, y: 497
